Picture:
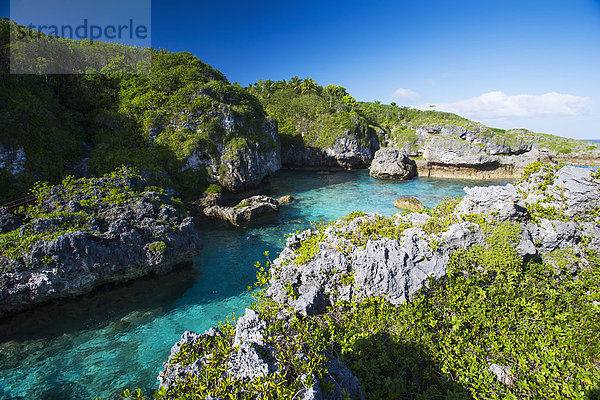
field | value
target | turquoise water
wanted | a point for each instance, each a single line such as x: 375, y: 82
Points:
x: 118, y: 338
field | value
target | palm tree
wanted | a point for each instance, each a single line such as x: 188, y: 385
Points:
x: 295, y: 82
x: 308, y: 86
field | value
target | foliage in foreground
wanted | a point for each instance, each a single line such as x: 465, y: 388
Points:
x: 538, y: 322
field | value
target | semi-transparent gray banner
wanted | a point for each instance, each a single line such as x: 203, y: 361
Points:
x: 80, y: 36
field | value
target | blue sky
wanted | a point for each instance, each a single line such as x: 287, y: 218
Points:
x: 530, y: 64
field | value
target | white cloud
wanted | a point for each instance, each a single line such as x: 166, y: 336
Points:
x: 404, y: 94
x: 498, y: 105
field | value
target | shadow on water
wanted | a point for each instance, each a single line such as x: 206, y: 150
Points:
x: 146, y: 297
x: 389, y: 368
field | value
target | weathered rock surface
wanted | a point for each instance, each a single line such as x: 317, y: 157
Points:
x: 124, y: 241
x: 346, y: 153
x: 236, y: 165
x: 346, y: 264
x: 409, y: 203
x: 476, y: 152
x: 396, y: 268
x: 245, y: 211
x: 8, y: 221
x: 391, y: 163
x: 252, y: 356
x: 285, y: 199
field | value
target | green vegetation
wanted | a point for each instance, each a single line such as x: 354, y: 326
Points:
x: 158, y: 247
x: 536, y: 321
x: 153, y: 119
x: 310, y: 115
x: 242, y: 204
x: 73, y: 206
x: 213, y: 189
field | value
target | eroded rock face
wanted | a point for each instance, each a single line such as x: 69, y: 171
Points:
x: 124, y: 241
x: 391, y: 163
x: 347, y: 262
x: 346, y: 153
x: 253, y: 356
x: 409, y: 203
x: 245, y: 211
x: 449, y: 151
x: 504, y: 202
x: 396, y: 268
x: 236, y: 165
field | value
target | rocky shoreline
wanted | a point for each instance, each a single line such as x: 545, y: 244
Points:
x: 87, y: 233
x: 551, y: 215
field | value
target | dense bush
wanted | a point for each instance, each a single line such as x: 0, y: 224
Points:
x: 493, y: 309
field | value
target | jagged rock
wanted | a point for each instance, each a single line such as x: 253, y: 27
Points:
x: 196, y: 208
x: 347, y: 152
x: 245, y: 211
x: 571, y: 189
x: 390, y: 163
x: 172, y: 371
x: 343, y: 382
x: 208, y: 200
x: 394, y: 269
x: 285, y: 199
x: 503, y: 202
x: 502, y: 373
x: 142, y: 236
x: 457, y: 153
x: 8, y: 222
x: 251, y: 359
x: 249, y: 329
x: 409, y: 203
x: 236, y: 165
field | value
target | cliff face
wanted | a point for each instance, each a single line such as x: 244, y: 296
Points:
x: 86, y: 233
x: 320, y: 127
x: 233, y: 147
x: 346, y: 152
x: 178, y: 121
x: 545, y: 228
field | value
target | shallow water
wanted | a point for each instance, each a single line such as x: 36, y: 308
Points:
x: 119, y: 337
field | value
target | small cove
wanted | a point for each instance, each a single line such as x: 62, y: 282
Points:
x: 119, y: 338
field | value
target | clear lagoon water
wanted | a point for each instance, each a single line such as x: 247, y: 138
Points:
x: 119, y: 337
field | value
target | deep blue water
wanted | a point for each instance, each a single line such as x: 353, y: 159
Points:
x: 118, y: 338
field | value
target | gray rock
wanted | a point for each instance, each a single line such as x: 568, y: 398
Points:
x: 121, y: 243
x: 8, y: 221
x: 249, y: 329
x: 347, y: 152
x: 248, y: 363
x: 449, y: 151
x: 245, y: 211
x: 391, y: 163
x: 172, y: 372
x: 501, y: 202
x: 502, y: 373
x: 572, y: 191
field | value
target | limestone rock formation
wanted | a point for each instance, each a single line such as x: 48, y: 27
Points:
x: 127, y: 239
x: 396, y: 268
x: 352, y: 260
x: 391, y: 163
x: 346, y: 153
x: 245, y: 211
x: 409, y: 203
x: 285, y: 199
